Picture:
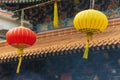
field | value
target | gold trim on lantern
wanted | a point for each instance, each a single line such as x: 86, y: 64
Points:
x: 88, y: 30
x: 20, y: 45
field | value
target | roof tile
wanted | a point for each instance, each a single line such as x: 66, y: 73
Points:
x: 64, y: 39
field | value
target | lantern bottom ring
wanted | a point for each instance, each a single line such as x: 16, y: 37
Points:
x: 89, y: 30
x: 20, y: 45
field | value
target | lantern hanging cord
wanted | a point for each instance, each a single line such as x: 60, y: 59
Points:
x: 22, y: 17
x: 41, y: 4
x: 92, y: 3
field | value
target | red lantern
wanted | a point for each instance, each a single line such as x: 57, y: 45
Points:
x: 20, y: 38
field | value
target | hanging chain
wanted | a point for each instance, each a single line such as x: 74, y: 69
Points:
x: 92, y: 3
x: 22, y: 17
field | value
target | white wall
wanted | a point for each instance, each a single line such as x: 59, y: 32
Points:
x: 7, y: 22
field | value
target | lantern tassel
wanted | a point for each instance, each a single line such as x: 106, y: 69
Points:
x: 55, y: 15
x: 19, y: 64
x: 85, y: 56
x: 89, y: 37
x: 20, y: 52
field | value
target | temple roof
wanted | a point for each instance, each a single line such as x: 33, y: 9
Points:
x: 55, y: 41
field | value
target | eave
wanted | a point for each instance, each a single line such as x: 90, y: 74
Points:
x: 61, y: 41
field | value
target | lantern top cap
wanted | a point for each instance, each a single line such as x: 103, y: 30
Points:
x: 91, y: 11
x: 21, y: 26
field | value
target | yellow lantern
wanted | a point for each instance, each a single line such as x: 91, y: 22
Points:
x: 90, y: 22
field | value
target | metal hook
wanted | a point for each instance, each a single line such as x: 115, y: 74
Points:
x: 22, y: 16
x: 92, y: 3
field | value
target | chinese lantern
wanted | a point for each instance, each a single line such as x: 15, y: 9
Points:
x: 90, y: 22
x: 20, y: 38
